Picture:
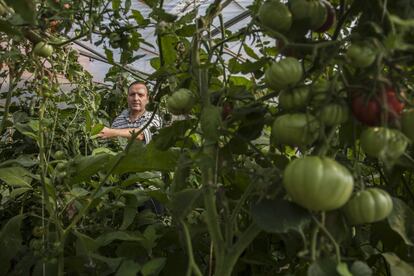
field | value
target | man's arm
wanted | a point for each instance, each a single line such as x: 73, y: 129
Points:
x: 107, y: 133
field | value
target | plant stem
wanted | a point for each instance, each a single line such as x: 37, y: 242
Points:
x: 314, y: 242
x: 192, y: 265
x: 328, y: 234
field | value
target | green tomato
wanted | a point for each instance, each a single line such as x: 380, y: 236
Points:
x: 283, y: 73
x: 309, y: 14
x: 407, y: 123
x: 368, y: 206
x: 180, y: 102
x: 38, y: 231
x: 334, y: 114
x: 383, y: 143
x: 295, y: 99
x: 275, y: 16
x: 59, y: 155
x: 318, y: 183
x: 297, y: 129
x: 43, y: 49
x: 360, y: 55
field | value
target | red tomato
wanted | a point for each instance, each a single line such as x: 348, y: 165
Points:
x: 370, y: 110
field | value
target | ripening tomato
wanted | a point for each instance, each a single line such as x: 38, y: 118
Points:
x: 275, y: 16
x: 367, y: 206
x: 298, y: 129
x: 371, y: 110
x: 318, y: 183
x: 330, y: 18
x: 284, y: 73
x: 383, y: 143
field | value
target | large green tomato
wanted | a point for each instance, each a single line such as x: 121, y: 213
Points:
x: 283, y: 73
x: 309, y: 14
x: 360, y: 55
x: 180, y: 102
x: 43, y: 49
x: 407, y: 123
x: 295, y: 99
x: 297, y: 129
x: 368, y: 206
x: 320, y: 92
x: 334, y: 114
x: 318, y: 183
x: 383, y: 143
x: 275, y: 15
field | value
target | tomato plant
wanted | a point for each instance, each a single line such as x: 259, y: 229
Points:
x: 360, y: 55
x: 181, y: 101
x: 311, y: 14
x: 383, y: 143
x: 297, y: 129
x: 318, y: 183
x: 373, y: 110
x: 334, y: 114
x: 283, y: 73
x: 43, y: 49
x: 295, y: 99
x: 368, y: 206
x: 275, y: 15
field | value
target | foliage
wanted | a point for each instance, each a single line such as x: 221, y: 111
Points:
x: 70, y: 203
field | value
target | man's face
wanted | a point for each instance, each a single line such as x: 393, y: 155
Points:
x: 137, y: 98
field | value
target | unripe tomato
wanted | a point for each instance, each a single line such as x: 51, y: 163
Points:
x: 368, y: 206
x: 298, y: 129
x: 320, y: 92
x: 360, y: 55
x: 295, y: 99
x: 59, y: 155
x: 371, y: 110
x: 275, y: 15
x: 38, y: 231
x: 180, y: 102
x: 383, y: 143
x: 318, y: 183
x: 43, y: 49
x: 310, y: 14
x: 334, y: 114
x: 330, y: 17
x: 407, y: 123
x: 283, y: 73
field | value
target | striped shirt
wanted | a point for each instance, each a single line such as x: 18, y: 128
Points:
x: 123, y: 121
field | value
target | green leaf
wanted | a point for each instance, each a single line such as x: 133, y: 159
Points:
x: 211, y: 122
x: 25, y: 8
x: 85, y: 166
x: 397, y: 266
x: 169, y: 53
x: 96, y: 129
x: 29, y: 129
x: 249, y: 51
x: 359, y: 268
x: 140, y: 159
x: 108, y: 238
x: 6, y: 28
x: 10, y: 242
x: 19, y: 191
x: 168, y: 136
x: 130, y: 211
x: 109, y: 55
x: 153, y: 267
x: 16, y: 177
x: 139, y: 18
x: 323, y: 267
x: 182, y: 202
x: 128, y: 268
x: 279, y: 216
x: 23, y: 160
x: 401, y: 221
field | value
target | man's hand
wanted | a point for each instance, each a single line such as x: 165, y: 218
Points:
x: 107, y: 133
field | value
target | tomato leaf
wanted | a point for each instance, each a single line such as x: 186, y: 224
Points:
x: 15, y: 177
x: 183, y: 201
x: 398, y: 266
x: 128, y: 268
x: 401, y: 220
x: 10, y: 242
x: 279, y: 216
x: 153, y: 267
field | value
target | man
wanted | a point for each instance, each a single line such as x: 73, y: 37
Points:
x: 135, y: 117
